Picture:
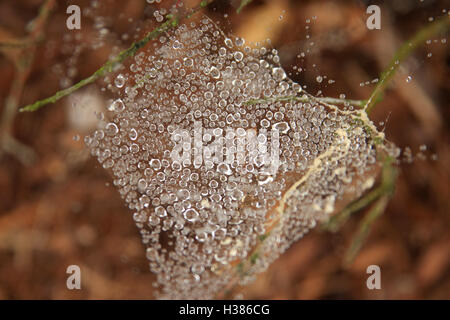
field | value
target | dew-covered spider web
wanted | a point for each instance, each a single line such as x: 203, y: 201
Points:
x: 221, y: 171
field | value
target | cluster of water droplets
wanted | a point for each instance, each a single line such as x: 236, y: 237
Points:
x: 200, y: 221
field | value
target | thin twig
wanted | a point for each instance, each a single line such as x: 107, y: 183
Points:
x: 385, y: 188
x: 380, y: 196
x: 405, y: 50
x: 243, y: 4
x: 336, y: 221
x: 23, y: 67
x: 306, y: 98
x: 364, y: 229
x: 19, y: 44
x: 110, y: 66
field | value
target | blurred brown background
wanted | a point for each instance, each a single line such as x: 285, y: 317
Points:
x: 58, y: 208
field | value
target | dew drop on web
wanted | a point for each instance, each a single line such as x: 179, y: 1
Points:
x: 215, y: 165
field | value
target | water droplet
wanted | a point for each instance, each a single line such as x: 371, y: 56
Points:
x: 117, y: 106
x: 160, y: 211
x: 133, y: 134
x: 119, y: 81
x: 278, y: 74
x: 224, y: 168
x: 238, y: 56
x: 111, y: 129
x: 214, y: 72
x: 191, y: 215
